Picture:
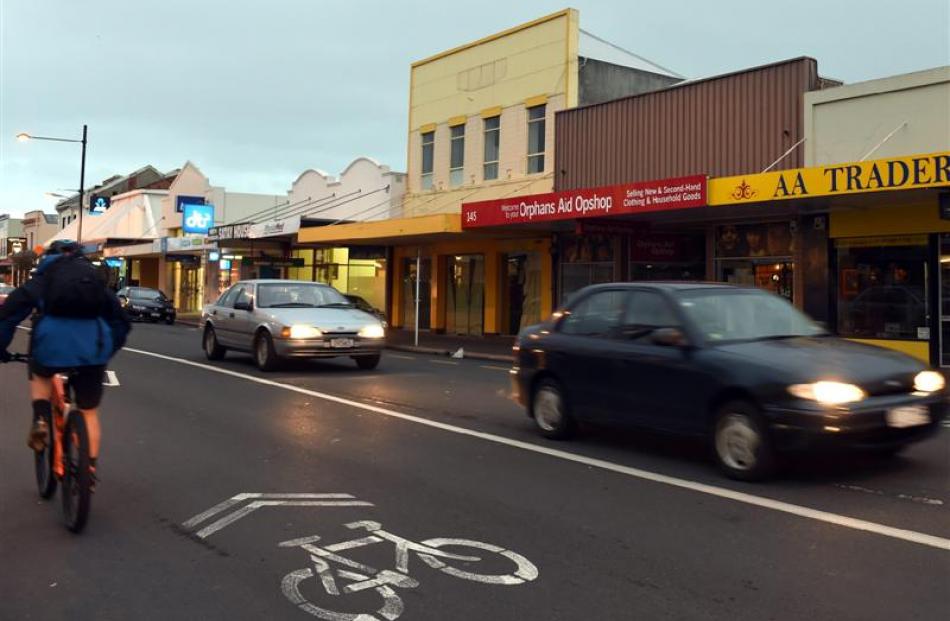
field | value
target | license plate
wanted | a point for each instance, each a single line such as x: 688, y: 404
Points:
x: 908, y: 416
x: 156, y: 315
x: 341, y: 343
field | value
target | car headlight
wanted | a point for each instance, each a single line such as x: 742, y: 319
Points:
x: 301, y: 331
x: 373, y: 332
x: 929, y: 381
x: 828, y: 393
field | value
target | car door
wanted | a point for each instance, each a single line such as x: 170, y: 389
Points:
x: 222, y: 315
x: 656, y: 385
x: 242, y: 319
x: 576, y: 351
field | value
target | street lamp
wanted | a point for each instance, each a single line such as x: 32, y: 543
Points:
x: 24, y: 137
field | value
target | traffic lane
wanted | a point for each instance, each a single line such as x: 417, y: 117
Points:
x: 606, y: 545
x: 454, y: 389
x: 909, y: 491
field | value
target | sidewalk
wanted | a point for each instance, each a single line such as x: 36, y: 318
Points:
x: 497, y: 348
x: 494, y: 348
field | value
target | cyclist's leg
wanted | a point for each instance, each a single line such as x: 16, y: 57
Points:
x: 41, y: 392
x: 86, y: 383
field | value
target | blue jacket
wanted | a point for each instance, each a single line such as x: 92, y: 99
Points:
x: 62, y: 342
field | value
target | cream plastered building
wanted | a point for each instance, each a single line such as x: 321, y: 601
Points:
x: 481, y: 126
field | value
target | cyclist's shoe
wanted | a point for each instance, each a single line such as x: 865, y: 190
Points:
x: 93, y: 479
x: 39, y: 435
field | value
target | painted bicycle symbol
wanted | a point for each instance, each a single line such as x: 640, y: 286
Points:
x: 361, y: 577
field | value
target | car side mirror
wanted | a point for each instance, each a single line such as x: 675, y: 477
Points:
x: 669, y: 337
x: 244, y: 306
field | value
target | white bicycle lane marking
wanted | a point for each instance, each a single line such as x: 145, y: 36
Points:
x: 361, y: 577
x: 827, y: 517
x: 259, y: 500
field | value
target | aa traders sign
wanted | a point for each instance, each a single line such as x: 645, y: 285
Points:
x: 614, y: 200
x: 900, y: 173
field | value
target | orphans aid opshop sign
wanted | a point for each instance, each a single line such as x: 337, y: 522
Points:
x: 614, y: 200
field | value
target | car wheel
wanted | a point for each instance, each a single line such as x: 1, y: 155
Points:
x: 368, y: 363
x: 887, y: 452
x: 550, y: 411
x: 264, y: 354
x: 170, y: 321
x: 741, y: 444
x: 213, y: 350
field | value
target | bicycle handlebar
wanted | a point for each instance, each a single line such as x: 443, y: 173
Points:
x: 19, y: 358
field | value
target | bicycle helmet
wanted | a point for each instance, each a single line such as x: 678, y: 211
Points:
x: 63, y: 246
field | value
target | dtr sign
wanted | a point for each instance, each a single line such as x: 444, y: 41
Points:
x: 197, y: 218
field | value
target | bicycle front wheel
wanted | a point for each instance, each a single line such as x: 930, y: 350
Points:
x: 76, y: 479
x: 44, y: 462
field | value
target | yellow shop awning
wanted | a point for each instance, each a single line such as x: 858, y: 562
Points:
x: 385, y: 232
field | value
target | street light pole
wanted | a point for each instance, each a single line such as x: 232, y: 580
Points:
x: 24, y: 137
x: 82, y: 184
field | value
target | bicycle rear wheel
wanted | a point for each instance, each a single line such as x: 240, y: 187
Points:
x: 44, y: 461
x: 76, y: 480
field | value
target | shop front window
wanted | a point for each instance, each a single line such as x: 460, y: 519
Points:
x: 662, y: 256
x: 585, y: 260
x: 757, y: 255
x: 945, y: 300
x: 522, y: 293
x: 882, y: 288
x: 464, y: 308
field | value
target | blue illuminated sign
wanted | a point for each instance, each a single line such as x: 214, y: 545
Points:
x: 98, y: 204
x: 197, y: 218
x: 181, y: 201
x: 213, y: 256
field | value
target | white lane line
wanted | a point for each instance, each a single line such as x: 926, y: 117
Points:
x: 400, y: 356
x: 494, y: 368
x: 703, y: 488
x: 454, y: 364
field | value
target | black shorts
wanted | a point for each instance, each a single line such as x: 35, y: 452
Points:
x: 86, y: 382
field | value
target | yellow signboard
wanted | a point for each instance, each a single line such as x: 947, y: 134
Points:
x: 900, y: 173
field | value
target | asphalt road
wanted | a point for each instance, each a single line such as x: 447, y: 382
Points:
x: 611, y: 526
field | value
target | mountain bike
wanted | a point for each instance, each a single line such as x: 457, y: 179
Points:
x: 361, y: 577
x: 66, y: 456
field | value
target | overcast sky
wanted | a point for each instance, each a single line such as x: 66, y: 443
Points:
x: 256, y: 92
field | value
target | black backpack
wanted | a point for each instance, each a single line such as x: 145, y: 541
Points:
x: 74, y: 288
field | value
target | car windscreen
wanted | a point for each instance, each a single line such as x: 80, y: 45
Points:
x: 744, y: 315
x: 299, y: 295
x: 146, y: 294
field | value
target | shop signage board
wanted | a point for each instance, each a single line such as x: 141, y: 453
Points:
x: 197, y: 218
x: 614, y: 200
x: 275, y: 228
x: 273, y: 261
x: 99, y: 204
x: 15, y: 245
x: 260, y: 230
x: 178, y: 244
x: 181, y: 201
x: 897, y: 173
x: 231, y: 231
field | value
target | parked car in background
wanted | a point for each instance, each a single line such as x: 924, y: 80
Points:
x: 146, y: 304
x: 740, y: 367
x: 278, y: 319
x: 5, y: 290
x: 366, y: 307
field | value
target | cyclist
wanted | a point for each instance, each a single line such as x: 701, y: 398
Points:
x: 78, y: 327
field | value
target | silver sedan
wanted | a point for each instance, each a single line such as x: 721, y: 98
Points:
x: 277, y: 319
